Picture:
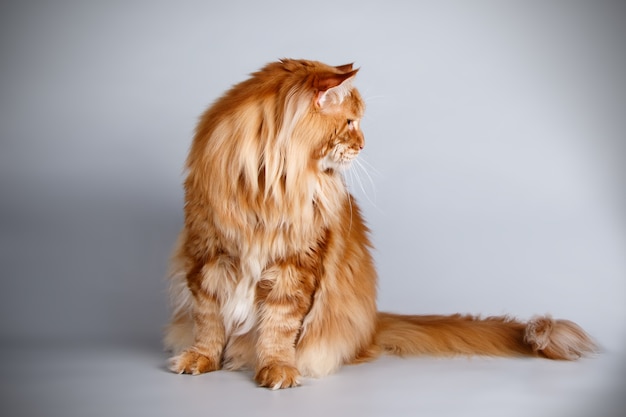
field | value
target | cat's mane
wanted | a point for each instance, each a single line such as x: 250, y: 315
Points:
x: 262, y: 147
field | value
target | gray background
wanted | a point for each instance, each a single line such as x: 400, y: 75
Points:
x: 495, y: 184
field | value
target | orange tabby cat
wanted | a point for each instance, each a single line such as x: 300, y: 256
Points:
x: 273, y: 269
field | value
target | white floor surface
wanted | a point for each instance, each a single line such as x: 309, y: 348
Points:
x: 133, y: 381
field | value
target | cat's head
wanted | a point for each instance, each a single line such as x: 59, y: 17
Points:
x: 320, y: 111
x: 332, y: 123
x: 340, y: 110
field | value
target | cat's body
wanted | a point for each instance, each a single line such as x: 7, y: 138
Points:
x: 273, y: 269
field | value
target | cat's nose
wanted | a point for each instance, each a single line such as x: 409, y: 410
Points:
x: 361, y: 141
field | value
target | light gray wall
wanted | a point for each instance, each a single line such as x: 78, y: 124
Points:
x: 495, y: 147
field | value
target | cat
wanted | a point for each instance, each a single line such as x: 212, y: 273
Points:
x: 273, y: 268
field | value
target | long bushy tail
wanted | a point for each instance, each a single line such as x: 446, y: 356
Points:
x: 468, y: 335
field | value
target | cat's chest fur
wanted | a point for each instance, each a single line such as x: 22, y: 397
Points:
x: 274, y: 239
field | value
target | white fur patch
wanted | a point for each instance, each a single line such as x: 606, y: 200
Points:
x: 339, y: 158
x: 238, y: 309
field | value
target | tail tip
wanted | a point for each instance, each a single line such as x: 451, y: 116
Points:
x: 558, y: 339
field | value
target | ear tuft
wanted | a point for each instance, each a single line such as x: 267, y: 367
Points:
x: 345, y: 68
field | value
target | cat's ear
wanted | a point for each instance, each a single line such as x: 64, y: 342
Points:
x: 331, y: 84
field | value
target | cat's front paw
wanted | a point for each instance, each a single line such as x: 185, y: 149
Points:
x: 193, y: 362
x: 277, y: 376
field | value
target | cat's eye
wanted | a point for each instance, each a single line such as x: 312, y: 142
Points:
x: 350, y: 121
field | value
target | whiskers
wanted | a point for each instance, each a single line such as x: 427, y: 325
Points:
x: 358, y: 177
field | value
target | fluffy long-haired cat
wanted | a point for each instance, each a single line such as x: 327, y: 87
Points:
x: 273, y: 270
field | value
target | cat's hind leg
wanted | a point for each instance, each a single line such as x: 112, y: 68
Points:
x: 179, y: 332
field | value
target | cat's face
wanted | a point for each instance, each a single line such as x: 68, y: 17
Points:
x: 344, y: 139
x: 344, y: 146
x: 329, y: 126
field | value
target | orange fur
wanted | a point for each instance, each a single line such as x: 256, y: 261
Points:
x: 273, y: 270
